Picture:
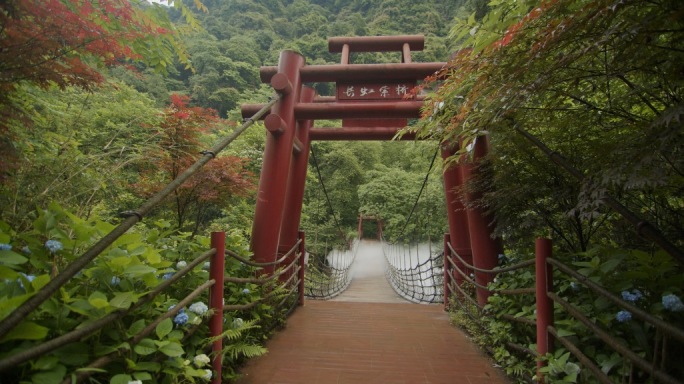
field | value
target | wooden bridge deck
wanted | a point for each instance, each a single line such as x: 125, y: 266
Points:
x: 355, y: 342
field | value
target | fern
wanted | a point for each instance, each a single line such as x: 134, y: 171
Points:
x: 234, y: 351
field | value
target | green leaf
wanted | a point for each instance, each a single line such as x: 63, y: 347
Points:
x: 172, y: 349
x: 120, y: 379
x: 98, y: 300
x: 142, y: 376
x: 123, y: 300
x: 26, y: 330
x: 565, y: 332
x: 53, y: 376
x: 120, y: 261
x: 139, y: 270
x: 148, y: 366
x: 136, y: 327
x: 40, y: 281
x: 164, y: 328
x: 74, y: 354
x: 12, y: 258
x: 145, y: 347
x: 45, y: 363
x: 8, y: 273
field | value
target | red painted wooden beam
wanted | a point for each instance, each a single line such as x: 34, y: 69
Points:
x: 360, y: 72
x: 361, y: 133
x: 376, y: 43
x: 356, y: 110
x: 359, y: 110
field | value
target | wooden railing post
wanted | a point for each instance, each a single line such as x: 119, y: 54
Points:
x: 302, y: 264
x: 544, y: 284
x: 447, y: 270
x: 216, y: 272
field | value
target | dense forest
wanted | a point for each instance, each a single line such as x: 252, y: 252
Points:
x: 96, y: 151
x: 103, y: 103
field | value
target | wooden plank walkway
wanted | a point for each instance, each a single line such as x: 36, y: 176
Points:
x: 357, y: 343
x: 369, y: 334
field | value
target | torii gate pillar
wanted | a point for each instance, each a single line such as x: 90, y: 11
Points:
x: 269, y: 209
x: 486, y: 248
x: 459, y: 232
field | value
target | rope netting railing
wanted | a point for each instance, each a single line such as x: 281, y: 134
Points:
x: 549, y: 312
x: 328, y: 266
x: 328, y: 274
x: 415, y: 271
x: 282, y: 291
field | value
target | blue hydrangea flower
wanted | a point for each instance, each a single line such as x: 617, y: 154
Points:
x: 181, y: 264
x: 246, y: 291
x: 206, y: 266
x: 167, y: 276
x: 54, y: 245
x: 238, y: 322
x: 633, y: 296
x: 574, y: 286
x: 30, y: 278
x: 26, y: 250
x: 673, y: 303
x: 5, y: 247
x: 181, y: 318
x: 623, y: 316
x: 116, y: 280
x: 199, y: 308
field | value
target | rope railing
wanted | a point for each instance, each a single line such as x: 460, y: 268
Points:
x: 132, y: 218
x: 462, y: 285
x: 414, y: 280
x: 328, y: 277
x: 653, y: 368
x: 549, y: 302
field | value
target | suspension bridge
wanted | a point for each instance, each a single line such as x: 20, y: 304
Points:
x: 373, y: 313
x: 372, y: 332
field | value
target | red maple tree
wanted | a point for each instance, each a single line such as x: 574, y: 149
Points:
x: 200, y: 198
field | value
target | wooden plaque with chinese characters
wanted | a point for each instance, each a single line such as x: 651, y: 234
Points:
x: 380, y: 91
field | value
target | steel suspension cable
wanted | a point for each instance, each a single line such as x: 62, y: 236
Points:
x: 325, y: 192
x: 415, y: 204
x: 132, y: 218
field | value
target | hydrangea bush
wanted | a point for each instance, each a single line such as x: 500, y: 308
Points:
x: 178, y: 349
x: 649, y: 281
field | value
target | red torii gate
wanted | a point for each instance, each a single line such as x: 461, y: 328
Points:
x: 369, y: 99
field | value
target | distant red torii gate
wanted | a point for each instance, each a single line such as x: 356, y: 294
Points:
x: 370, y: 100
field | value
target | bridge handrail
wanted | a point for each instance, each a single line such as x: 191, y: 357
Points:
x: 267, y: 264
x: 636, y: 311
x: 618, y: 346
x: 336, y: 282
x: 513, y: 267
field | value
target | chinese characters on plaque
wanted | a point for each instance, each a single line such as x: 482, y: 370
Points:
x: 378, y: 91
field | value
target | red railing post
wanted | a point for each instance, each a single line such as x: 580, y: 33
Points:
x: 216, y: 272
x: 544, y: 277
x: 447, y: 270
x: 302, y: 253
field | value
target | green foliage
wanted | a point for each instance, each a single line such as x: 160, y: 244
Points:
x: 570, y: 73
x: 118, y: 280
x: 651, y: 275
